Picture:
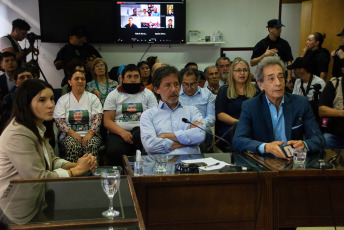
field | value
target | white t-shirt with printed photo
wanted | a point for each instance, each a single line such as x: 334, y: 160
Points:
x: 78, y: 114
x: 129, y: 107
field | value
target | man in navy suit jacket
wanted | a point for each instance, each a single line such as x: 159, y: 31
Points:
x: 275, y: 118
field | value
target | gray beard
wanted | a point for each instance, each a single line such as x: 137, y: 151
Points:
x: 225, y: 75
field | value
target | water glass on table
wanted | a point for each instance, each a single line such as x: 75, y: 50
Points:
x: 161, y: 163
x: 110, y: 181
x: 299, y: 156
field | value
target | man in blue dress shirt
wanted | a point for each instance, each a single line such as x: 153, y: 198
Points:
x: 204, y: 100
x: 275, y: 118
x: 162, y: 128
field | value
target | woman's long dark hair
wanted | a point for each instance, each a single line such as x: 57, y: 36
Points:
x: 22, y: 112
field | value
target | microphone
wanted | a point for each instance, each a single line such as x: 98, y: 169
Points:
x: 189, y: 122
x: 321, y: 163
x: 235, y: 168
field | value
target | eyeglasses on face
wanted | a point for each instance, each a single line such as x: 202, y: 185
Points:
x: 79, y: 78
x: 241, y: 70
x: 191, y: 85
x: 100, y: 66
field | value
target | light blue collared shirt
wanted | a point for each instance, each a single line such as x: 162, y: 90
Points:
x: 204, y: 101
x: 161, y: 119
x: 278, y: 124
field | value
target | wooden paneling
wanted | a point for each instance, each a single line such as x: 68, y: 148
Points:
x: 305, y: 26
x: 207, y: 201
x: 291, y: 1
x: 324, y: 16
x: 304, y: 198
x: 327, y: 17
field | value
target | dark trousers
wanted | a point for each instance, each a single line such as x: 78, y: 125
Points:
x: 116, y: 147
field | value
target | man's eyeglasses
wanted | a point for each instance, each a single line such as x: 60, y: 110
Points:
x: 191, y: 85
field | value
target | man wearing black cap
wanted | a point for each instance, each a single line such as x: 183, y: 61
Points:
x: 338, y: 57
x: 306, y: 82
x: 77, y: 48
x: 273, y: 45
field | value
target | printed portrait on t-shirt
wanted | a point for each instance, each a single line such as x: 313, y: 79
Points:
x: 79, y: 120
x: 131, y: 112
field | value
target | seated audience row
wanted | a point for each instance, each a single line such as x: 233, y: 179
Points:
x: 102, y: 86
x: 158, y: 109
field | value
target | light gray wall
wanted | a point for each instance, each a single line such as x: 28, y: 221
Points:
x: 241, y: 22
x: 291, y: 18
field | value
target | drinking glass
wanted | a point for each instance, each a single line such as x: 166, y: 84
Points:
x: 110, y: 180
x: 161, y: 163
x: 300, y: 156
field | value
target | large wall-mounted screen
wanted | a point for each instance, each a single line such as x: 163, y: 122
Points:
x: 150, y: 22
x: 109, y: 21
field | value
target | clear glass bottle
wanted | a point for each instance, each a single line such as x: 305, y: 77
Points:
x: 138, y: 166
x: 213, y: 38
x: 219, y: 36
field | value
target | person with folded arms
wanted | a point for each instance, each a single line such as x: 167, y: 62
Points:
x: 165, y: 128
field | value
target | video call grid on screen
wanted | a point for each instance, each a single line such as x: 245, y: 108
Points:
x: 147, y: 15
x: 143, y: 21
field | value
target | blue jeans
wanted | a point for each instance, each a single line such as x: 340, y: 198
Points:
x: 333, y: 141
